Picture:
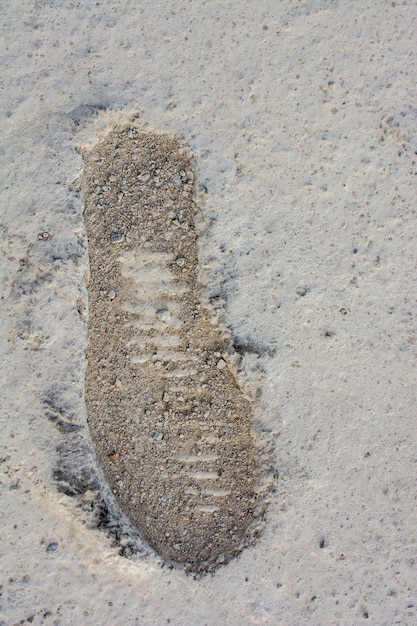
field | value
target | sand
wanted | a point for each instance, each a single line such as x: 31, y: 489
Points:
x: 171, y: 428
x: 299, y: 118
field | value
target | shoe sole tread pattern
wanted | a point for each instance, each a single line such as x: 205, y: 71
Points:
x: 171, y: 427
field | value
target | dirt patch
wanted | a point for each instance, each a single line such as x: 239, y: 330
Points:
x: 170, y: 425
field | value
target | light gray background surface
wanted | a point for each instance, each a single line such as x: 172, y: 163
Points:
x: 300, y: 117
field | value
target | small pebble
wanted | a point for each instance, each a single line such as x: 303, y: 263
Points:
x: 180, y: 262
x: 302, y: 291
x: 111, y: 294
x: 53, y: 547
x: 221, y: 364
x: 164, y: 316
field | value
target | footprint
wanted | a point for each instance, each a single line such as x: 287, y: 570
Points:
x: 169, y: 423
